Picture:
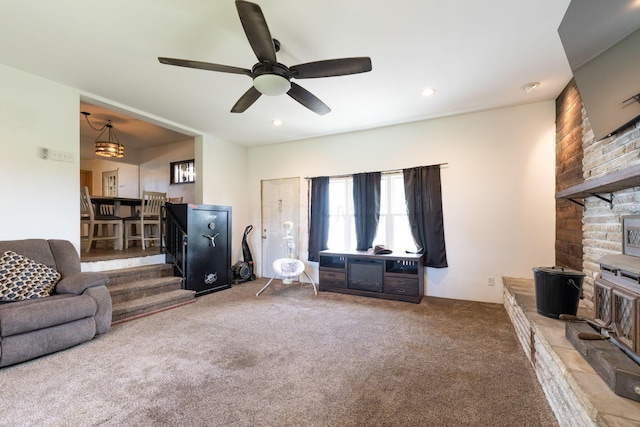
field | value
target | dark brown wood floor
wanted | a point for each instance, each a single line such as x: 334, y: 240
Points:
x: 100, y: 254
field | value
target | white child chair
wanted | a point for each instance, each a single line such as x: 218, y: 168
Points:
x: 287, y: 268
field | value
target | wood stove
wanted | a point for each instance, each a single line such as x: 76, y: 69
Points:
x: 611, y: 341
x: 617, y: 288
x: 616, y: 297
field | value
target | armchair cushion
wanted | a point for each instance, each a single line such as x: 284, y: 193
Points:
x: 26, y: 316
x: 22, y: 278
x: 77, y: 283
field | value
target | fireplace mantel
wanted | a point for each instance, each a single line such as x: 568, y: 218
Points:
x: 596, y: 187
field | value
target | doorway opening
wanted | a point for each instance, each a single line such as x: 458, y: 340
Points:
x: 110, y: 183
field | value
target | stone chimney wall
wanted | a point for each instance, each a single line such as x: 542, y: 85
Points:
x: 601, y: 222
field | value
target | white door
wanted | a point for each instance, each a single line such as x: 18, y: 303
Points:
x: 110, y: 183
x: 280, y: 203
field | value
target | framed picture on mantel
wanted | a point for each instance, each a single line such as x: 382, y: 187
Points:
x: 183, y: 172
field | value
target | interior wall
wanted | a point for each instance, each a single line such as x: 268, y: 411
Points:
x: 152, y: 173
x: 155, y: 174
x: 221, y: 179
x: 38, y: 194
x: 127, y: 176
x: 43, y: 194
x: 498, y: 188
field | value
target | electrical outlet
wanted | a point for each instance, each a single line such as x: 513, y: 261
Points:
x: 491, y: 281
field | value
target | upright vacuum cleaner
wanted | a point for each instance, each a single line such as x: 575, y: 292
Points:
x: 243, y: 270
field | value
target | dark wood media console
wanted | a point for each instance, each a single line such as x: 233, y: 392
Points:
x: 393, y: 276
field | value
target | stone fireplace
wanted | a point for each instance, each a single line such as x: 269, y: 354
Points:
x: 597, y: 187
x: 606, y: 190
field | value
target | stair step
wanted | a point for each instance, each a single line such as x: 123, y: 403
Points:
x: 128, y: 291
x: 131, y: 274
x: 151, y: 304
x: 143, y: 290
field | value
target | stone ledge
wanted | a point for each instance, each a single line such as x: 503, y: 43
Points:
x: 576, y: 393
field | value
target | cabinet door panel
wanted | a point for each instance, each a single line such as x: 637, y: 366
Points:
x: 401, y: 286
x: 333, y: 279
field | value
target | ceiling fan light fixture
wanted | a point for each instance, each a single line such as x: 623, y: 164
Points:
x: 271, y: 77
x: 271, y: 84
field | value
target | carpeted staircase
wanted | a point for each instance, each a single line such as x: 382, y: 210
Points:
x: 140, y: 291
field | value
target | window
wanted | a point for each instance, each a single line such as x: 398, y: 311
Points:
x: 393, y: 228
x: 342, y: 232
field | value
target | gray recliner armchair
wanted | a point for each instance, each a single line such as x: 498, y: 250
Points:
x: 78, y: 309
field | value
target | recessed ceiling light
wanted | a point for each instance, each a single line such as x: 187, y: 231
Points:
x: 528, y: 87
x: 276, y: 122
x: 428, y: 91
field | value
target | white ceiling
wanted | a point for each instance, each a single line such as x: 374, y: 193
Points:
x: 477, y: 54
x: 137, y: 133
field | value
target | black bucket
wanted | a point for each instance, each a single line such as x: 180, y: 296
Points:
x: 558, y: 290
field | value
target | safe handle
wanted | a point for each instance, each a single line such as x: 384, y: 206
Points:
x: 212, y: 239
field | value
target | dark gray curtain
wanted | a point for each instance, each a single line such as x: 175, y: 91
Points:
x: 423, y: 194
x: 319, y: 218
x: 366, y: 207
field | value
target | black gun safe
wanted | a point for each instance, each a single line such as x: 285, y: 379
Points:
x: 198, y: 243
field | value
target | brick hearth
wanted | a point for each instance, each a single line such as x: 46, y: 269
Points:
x: 577, y: 395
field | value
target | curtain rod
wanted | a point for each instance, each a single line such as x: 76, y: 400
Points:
x: 384, y: 172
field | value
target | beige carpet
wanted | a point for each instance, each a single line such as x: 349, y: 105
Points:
x: 287, y: 358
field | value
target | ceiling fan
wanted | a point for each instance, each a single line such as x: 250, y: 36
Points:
x: 271, y: 77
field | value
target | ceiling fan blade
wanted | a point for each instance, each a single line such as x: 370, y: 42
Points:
x: 308, y: 99
x: 246, y: 100
x: 205, y: 66
x: 257, y: 31
x: 331, y: 67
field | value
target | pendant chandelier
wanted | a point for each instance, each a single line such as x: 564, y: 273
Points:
x: 110, y: 147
